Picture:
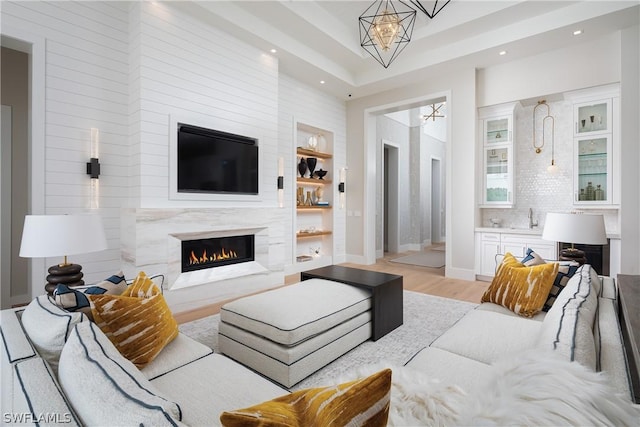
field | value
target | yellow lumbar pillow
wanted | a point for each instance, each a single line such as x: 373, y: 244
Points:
x: 520, y: 288
x: 139, y: 327
x: 364, y: 402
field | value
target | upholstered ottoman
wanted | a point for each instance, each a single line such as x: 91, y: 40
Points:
x: 288, y: 333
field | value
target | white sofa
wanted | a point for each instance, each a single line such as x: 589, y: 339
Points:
x: 582, y: 325
x: 187, y: 384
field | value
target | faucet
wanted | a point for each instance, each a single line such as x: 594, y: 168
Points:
x: 532, y: 223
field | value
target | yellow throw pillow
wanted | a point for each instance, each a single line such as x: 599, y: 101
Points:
x: 139, y: 327
x: 141, y: 287
x: 519, y: 288
x: 364, y: 402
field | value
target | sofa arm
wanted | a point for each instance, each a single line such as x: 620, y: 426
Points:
x: 37, y: 397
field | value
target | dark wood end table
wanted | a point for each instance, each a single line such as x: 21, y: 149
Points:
x: 386, y: 293
x: 629, y: 301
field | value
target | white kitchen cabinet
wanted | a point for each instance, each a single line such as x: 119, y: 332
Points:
x: 501, y: 242
x: 497, y: 154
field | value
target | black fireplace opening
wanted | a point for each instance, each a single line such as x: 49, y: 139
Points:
x: 216, y: 252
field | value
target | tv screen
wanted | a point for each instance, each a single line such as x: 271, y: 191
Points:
x: 211, y: 161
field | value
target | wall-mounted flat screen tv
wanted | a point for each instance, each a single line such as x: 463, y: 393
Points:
x: 211, y: 161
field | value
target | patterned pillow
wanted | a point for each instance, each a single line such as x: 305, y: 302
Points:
x: 356, y: 403
x: 519, y: 288
x: 74, y: 298
x: 142, y: 287
x: 566, y: 269
x: 532, y: 259
x: 139, y: 327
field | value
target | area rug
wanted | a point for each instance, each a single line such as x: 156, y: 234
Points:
x: 426, y: 317
x: 428, y: 258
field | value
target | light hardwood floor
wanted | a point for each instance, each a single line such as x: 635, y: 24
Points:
x: 415, y: 278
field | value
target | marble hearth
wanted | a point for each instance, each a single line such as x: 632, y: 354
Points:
x: 152, y: 242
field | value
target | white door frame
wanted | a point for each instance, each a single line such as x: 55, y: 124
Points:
x: 436, y: 199
x: 5, y: 208
x: 35, y: 46
x: 370, y: 165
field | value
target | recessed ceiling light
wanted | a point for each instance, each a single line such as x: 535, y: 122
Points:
x: 321, y: 82
x: 273, y: 51
x: 502, y: 52
x: 577, y: 32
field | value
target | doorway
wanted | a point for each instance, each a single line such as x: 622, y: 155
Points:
x: 390, y: 211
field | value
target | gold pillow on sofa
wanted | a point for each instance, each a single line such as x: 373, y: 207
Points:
x: 139, y: 327
x: 364, y: 402
x: 520, y: 288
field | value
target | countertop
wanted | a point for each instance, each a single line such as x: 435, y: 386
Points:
x: 535, y: 231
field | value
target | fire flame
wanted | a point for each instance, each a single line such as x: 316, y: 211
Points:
x: 217, y: 256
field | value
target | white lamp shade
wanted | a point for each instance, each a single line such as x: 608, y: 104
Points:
x: 60, y: 235
x: 581, y: 228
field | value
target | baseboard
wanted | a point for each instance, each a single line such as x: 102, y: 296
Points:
x: 459, y: 273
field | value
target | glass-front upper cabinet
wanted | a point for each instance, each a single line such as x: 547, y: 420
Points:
x: 593, y: 165
x: 498, y: 175
x: 498, y: 130
x: 592, y: 117
x: 497, y: 139
x: 596, y: 146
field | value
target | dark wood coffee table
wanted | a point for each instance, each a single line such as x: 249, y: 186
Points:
x: 386, y: 293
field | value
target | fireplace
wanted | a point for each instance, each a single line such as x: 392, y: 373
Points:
x: 217, y: 251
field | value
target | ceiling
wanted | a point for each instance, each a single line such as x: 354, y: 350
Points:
x: 319, y: 40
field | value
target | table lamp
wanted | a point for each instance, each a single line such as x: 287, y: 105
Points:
x: 581, y: 228
x: 62, y: 235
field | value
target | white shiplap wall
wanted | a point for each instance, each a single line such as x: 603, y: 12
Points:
x: 86, y: 73
x: 188, y: 70
x: 303, y: 103
x: 126, y: 68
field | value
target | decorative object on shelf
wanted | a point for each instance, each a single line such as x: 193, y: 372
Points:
x: 385, y: 31
x: 590, y: 191
x: 280, y: 182
x: 581, y: 228
x: 315, y: 252
x: 303, y: 258
x: 318, y: 193
x: 312, y: 143
x: 495, y: 222
x: 321, y: 173
x: 300, y: 196
x: 62, y: 235
x: 311, y: 164
x: 308, y: 201
x: 431, y: 13
x: 93, y: 168
x: 598, y: 193
x: 537, y: 147
x: 302, y: 167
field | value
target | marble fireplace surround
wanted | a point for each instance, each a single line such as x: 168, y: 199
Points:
x: 151, y: 241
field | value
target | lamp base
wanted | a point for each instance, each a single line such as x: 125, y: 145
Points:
x: 572, y: 254
x: 65, y: 274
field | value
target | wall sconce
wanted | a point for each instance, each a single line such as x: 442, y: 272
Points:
x: 93, y: 168
x: 281, y: 182
x: 341, y: 186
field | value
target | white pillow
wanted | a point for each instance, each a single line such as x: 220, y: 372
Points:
x: 105, y: 388
x: 48, y: 327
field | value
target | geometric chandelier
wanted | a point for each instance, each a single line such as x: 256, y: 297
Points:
x: 431, y: 12
x: 385, y: 30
